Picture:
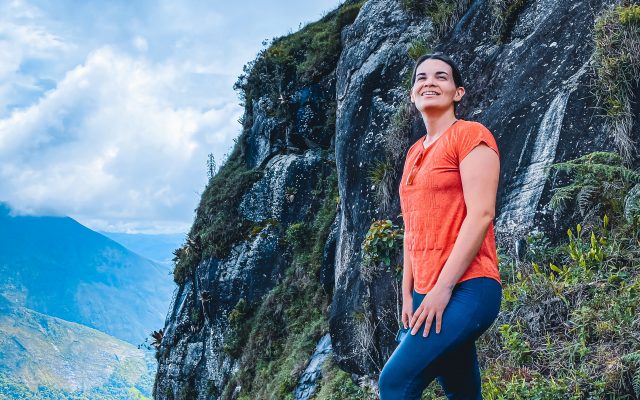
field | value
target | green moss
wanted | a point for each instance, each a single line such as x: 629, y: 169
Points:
x: 297, y: 236
x: 239, y: 327
x: 338, y: 385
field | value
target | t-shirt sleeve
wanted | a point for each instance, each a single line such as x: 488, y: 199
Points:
x: 471, y: 138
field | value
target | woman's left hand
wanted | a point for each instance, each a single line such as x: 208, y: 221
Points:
x: 433, y: 305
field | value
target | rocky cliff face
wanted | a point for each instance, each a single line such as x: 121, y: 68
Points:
x: 529, y: 79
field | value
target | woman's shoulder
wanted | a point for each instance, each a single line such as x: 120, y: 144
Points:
x: 472, y: 127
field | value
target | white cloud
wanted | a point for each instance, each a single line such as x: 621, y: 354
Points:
x: 107, y: 113
x: 140, y: 43
x: 108, y: 144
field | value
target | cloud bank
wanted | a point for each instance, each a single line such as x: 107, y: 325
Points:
x: 114, y: 129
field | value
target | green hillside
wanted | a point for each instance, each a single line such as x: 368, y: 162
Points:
x: 58, y: 267
x: 43, y: 357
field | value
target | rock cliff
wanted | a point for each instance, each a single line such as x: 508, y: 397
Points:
x: 530, y: 76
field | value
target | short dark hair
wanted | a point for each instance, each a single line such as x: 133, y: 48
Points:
x: 457, y: 77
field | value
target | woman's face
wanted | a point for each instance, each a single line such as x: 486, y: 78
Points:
x: 434, y: 87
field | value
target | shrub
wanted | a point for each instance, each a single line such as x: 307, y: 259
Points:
x: 382, y: 177
x: 419, y: 47
x: 297, y: 59
x: 443, y: 13
x: 599, y: 185
x: 382, y: 244
x: 617, y: 66
x: 297, y: 236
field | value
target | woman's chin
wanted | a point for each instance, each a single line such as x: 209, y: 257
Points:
x: 428, y: 107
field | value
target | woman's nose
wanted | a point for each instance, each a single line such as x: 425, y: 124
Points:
x: 428, y: 81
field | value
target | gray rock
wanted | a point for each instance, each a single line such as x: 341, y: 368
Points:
x: 532, y: 92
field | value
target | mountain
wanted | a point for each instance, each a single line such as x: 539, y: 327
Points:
x: 58, y: 267
x: 46, y: 357
x: 157, y: 247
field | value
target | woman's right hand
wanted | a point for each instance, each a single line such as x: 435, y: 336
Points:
x: 407, y: 310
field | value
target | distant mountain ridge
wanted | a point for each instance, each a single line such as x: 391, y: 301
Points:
x: 56, y: 266
x: 156, y: 247
x: 46, y: 357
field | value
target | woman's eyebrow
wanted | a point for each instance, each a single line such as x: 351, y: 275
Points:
x: 439, y: 72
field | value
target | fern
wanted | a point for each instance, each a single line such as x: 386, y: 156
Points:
x: 634, y: 360
x: 599, y: 182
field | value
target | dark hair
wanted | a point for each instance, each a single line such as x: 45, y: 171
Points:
x: 457, y: 77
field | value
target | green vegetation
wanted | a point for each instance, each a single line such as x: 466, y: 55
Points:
x: 236, y: 336
x: 218, y: 223
x: 505, y: 13
x: 381, y: 177
x: 599, y: 185
x: 567, y: 328
x: 570, y: 311
x: 338, y: 385
x: 281, y: 331
x: 382, y: 244
x: 395, y: 142
x: 417, y: 48
x: 443, y: 13
x: 617, y: 65
x: 297, y: 236
x: 291, y: 61
x: 298, y: 59
x: 116, y: 388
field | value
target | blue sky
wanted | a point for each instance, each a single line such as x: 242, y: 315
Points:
x: 109, y: 109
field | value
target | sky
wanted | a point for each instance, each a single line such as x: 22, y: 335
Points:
x: 108, y: 110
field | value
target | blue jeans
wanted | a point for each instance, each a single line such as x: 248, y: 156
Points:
x: 450, y: 356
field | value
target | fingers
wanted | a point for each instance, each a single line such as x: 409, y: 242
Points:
x: 438, y: 321
x: 406, y: 319
x: 427, y: 325
x: 418, y: 317
x: 414, y: 317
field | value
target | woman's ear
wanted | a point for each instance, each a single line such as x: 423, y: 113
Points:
x: 459, y: 94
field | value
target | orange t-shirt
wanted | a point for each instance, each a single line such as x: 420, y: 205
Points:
x: 433, y: 206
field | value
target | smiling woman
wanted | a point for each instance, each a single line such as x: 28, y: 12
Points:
x: 450, y: 280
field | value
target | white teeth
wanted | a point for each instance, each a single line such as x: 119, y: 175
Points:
x: 434, y: 93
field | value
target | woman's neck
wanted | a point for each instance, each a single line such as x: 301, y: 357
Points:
x: 437, y: 123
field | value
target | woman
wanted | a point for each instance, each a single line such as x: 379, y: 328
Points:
x: 451, y: 286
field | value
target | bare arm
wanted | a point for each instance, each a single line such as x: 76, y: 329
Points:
x: 480, y: 172
x: 407, y: 274
x: 407, y: 287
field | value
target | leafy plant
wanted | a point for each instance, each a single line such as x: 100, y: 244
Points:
x: 519, y: 348
x: 382, y: 244
x: 617, y: 66
x: 599, y: 185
